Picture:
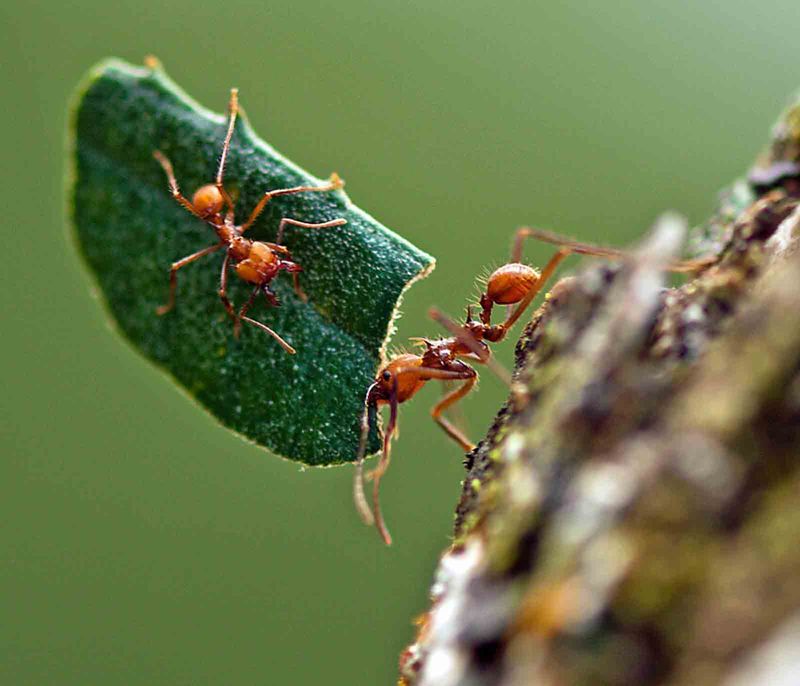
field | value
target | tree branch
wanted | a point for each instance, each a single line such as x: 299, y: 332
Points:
x: 631, y: 516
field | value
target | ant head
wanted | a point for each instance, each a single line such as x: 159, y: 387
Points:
x: 397, y: 379
x: 207, y: 201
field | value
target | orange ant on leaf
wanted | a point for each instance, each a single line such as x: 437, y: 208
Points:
x: 447, y: 359
x: 257, y: 262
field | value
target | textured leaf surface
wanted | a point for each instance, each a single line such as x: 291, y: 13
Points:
x: 305, y: 407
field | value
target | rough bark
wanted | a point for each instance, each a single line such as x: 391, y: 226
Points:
x: 632, y: 516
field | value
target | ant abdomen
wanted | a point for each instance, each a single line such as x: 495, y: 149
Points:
x: 511, y: 283
x: 207, y: 201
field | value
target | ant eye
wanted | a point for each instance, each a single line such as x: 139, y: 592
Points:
x: 386, y: 376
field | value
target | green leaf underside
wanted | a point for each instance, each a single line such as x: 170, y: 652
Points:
x: 305, y: 407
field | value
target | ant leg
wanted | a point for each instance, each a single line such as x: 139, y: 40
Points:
x: 243, y: 311
x: 298, y: 289
x: 233, y: 109
x: 173, y: 183
x: 238, y: 319
x: 173, y: 275
x: 294, y: 269
x: 334, y: 184
x: 288, y: 348
x: 457, y: 416
x: 466, y: 374
x: 305, y: 225
x: 447, y: 401
x: 223, y: 294
x: 579, y: 248
x: 481, y: 352
x: 271, y: 296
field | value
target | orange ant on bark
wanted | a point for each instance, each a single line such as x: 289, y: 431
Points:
x: 446, y: 359
x: 257, y: 262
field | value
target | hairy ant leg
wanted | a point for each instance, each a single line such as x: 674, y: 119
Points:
x: 173, y: 275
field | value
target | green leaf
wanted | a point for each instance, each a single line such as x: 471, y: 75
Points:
x: 304, y: 407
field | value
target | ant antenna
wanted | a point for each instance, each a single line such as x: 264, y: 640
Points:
x: 383, y: 465
x: 370, y: 410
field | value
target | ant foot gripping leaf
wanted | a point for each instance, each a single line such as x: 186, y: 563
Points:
x: 129, y: 229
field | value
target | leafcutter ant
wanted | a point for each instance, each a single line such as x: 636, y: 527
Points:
x: 257, y: 262
x: 447, y: 359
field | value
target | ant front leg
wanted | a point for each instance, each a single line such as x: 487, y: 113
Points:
x: 173, y: 275
x: 173, y: 183
x: 233, y: 110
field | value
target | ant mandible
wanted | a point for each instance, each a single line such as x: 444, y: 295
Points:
x: 257, y: 262
x: 404, y: 375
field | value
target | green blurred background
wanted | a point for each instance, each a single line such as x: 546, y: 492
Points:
x: 143, y: 544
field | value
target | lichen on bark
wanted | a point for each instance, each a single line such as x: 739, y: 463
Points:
x: 631, y: 515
